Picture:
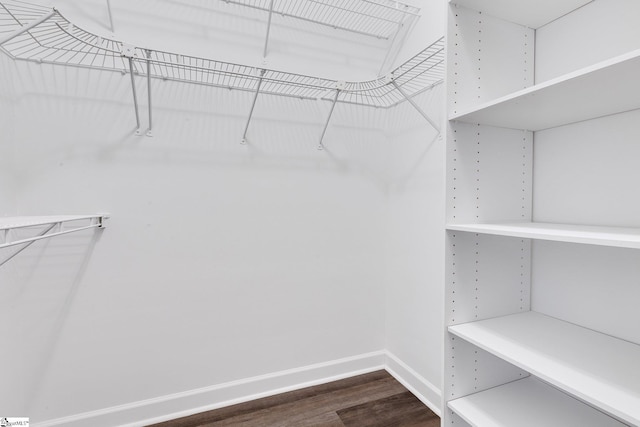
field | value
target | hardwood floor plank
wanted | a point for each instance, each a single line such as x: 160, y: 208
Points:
x: 400, y: 410
x: 267, y: 402
x: 294, y: 413
x: 374, y: 399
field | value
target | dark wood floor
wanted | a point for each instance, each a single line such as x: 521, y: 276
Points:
x: 370, y: 400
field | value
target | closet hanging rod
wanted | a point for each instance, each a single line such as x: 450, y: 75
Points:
x: 56, y: 41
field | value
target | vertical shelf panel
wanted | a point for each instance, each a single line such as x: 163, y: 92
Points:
x: 489, y: 277
x: 489, y: 174
x: 488, y: 58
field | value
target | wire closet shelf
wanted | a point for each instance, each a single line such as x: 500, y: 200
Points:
x: 382, y: 19
x: 40, y: 34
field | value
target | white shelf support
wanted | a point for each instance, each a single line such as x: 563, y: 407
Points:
x: 253, y: 106
x: 110, y: 16
x: 50, y: 224
x: 416, y: 106
x: 326, y: 124
x: 27, y: 27
x: 26, y: 245
x: 128, y: 52
x: 266, y: 39
x: 148, y: 52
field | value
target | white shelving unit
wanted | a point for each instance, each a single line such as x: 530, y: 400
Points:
x: 534, y: 287
x: 46, y: 227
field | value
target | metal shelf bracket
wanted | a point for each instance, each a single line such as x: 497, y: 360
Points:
x: 253, y: 106
x: 50, y: 224
x: 148, y: 52
x: 339, y: 87
x: 128, y: 52
x: 110, y: 16
x: 266, y: 39
x: 393, y: 82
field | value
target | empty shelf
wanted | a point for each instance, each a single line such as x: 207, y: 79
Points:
x: 609, y: 87
x: 601, y: 370
x: 604, y: 236
x: 533, y: 14
x: 528, y: 403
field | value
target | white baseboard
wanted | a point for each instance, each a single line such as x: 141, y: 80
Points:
x: 424, y: 390
x: 205, y: 399
x: 178, y: 405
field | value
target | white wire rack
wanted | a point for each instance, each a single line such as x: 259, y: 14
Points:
x: 46, y: 228
x: 36, y: 33
x: 377, y: 18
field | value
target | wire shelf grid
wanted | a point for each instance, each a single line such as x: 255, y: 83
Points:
x: 377, y: 18
x: 58, y: 41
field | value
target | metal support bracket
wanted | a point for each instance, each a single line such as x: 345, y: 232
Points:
x: 148, y: 52
x: 27, y: 27
x: 266, y: 39
x: 110, y: 16
x: 96, y: 222
x: 339, y: 87
x: 26, y: 245
x: 412, y: 102
x: 253, y: 106
x: 128, y: 52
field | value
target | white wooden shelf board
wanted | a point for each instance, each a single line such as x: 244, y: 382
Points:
x: 599, y: 369
x: 609, y: 87
x: 528, y: 403
x: 533, y: 14
x: 7, y: 223
x: 593, y: 235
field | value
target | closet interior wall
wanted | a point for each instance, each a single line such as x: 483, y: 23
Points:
x: 415, y: 254
x: 11, y: 311
x: 585, y: 173
x: 222, y: 261
x: 227, y: 270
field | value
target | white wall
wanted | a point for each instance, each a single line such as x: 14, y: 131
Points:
x: 414, y: 299
x: 7, y: 99
x: 416, y: 247
x: 222, y: 262
x: 10, y: 313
